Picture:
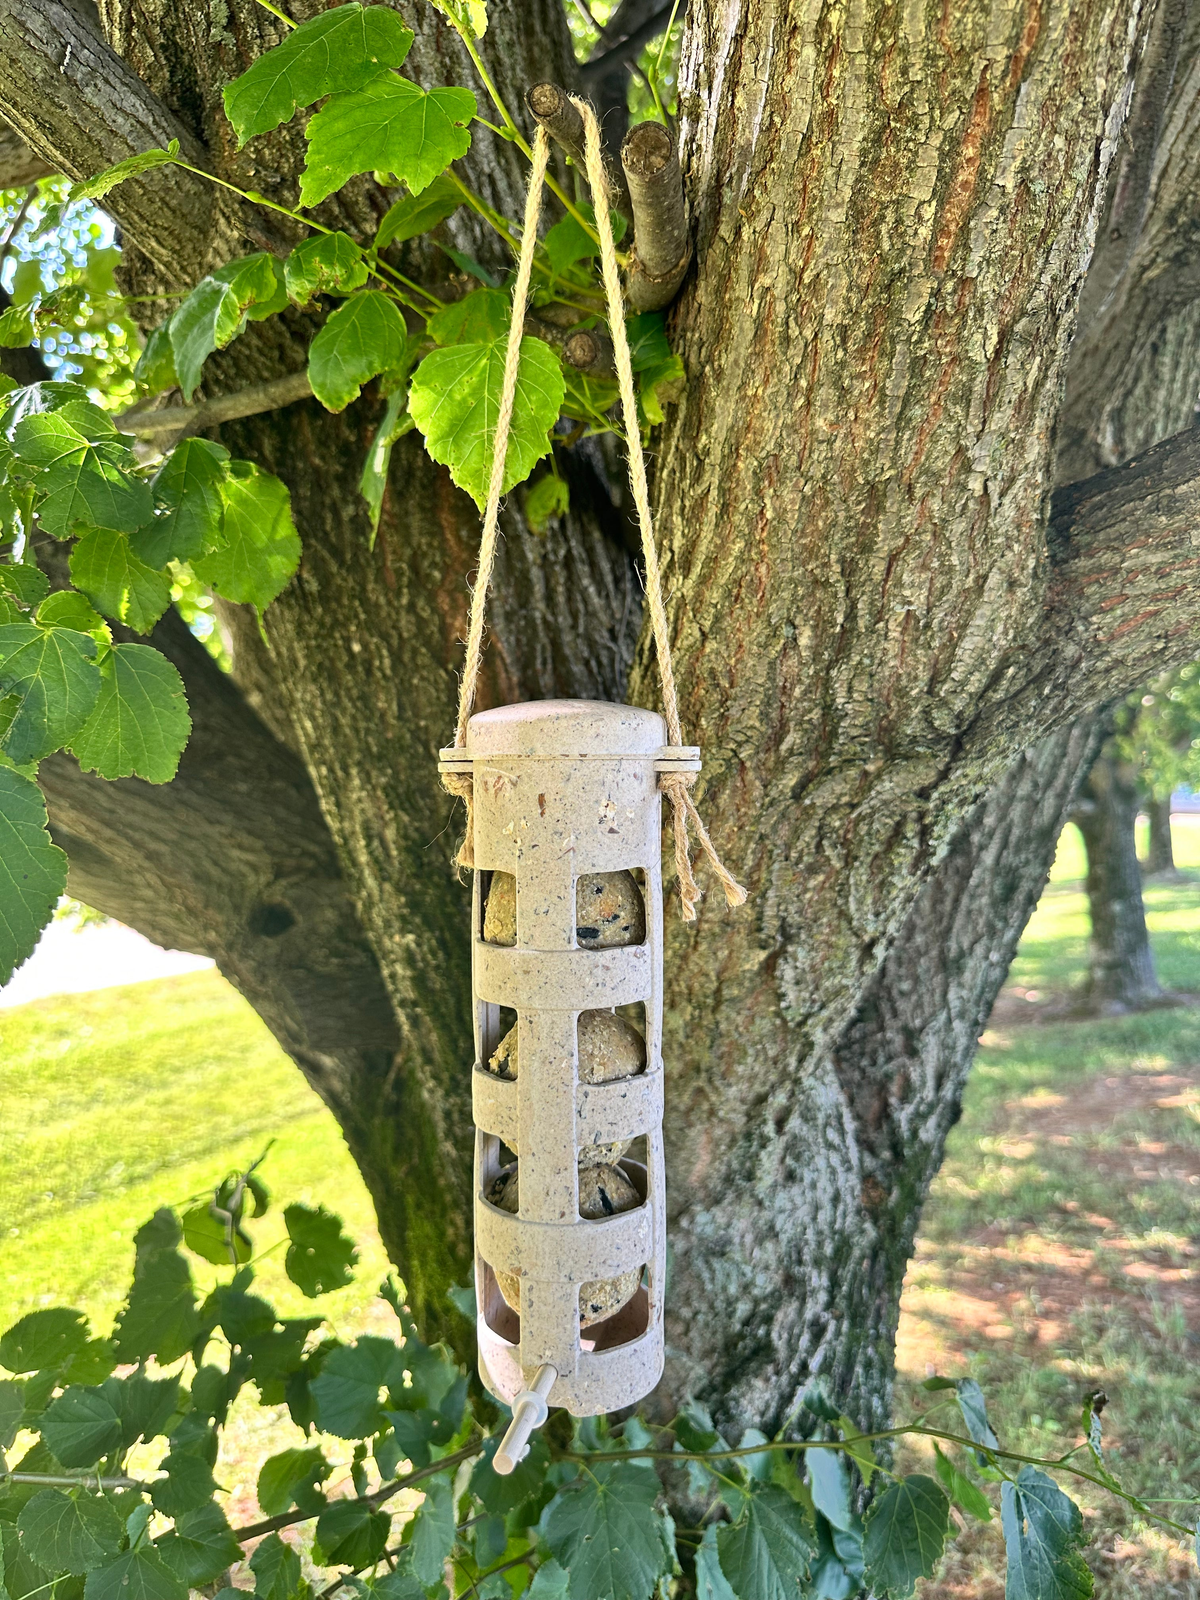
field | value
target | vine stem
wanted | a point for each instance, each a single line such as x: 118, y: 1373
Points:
x: 275, y: 12
x: 63, y: 1480
x: 380, y: 269
x: 377, y: 1497
x: 1060, y: 1464
x: 512, y: 132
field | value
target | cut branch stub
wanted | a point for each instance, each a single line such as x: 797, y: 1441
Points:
x: 661, y: 249
x: 585, y: 349
x: 551, y: 106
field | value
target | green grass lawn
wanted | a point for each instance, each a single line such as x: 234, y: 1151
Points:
x: 118, y: 1101
x: 1060, y: 1249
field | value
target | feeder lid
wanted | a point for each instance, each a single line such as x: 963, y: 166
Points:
x: 566, y: 728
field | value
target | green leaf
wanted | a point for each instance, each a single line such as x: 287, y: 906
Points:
x: 53, y: 672
x: 432, y: 1532
x: 603, y: 1528
x: 81, y: 1426
x: 320, y: 1256
x: 276, y: 1569
x: 364, y: 336
x: 337, y: 51
x: 455, y: 398
x: 27, y: 584
x: 36, y: 399
x: 396, y: 423
x: 389, y: 125
x: 43, y: 1339
x: 12, y: 1411
x: 16, y: 327
x: 548, y: 498
x: 204, y: 1233
x: 974, y: 1412
x: 1043, y: 1531
x: 468, y: 16
x: 140, y: 723
x: 830, y: 1485
x: 188, y: 1484
x: 67, y: 608
x: 133, y: 166
x: 550, y: 1582
x: 905, y: 1534
x: 104, y: 566
x: 33, y: 874
x: 711, y: 1582
x: 477, y: 318
x: 291, y: 1478
x: 418, y: 213
x: 155, y: 369
x: 765, y: 1553
x: 859, y: 1448
x: 347, y: 1389
x: 190, y: 509
x: 81, y: 471
x: 330, y: 263
x: 70, y: 1533
x: 159, y: 1318
x: 216, y: 311
x: 569, y: 241
x: 351, y: 1533
x: 262, y: 548
x: 137, y: 1575
x: 966, y: 1495
x: 502, y: 1495
x: 144, y: 1405
x: 201, y: 1547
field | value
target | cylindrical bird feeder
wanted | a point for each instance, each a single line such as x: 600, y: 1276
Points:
x: 570, y: 1220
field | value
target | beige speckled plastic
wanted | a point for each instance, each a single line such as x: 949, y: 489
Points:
x: 562, y: 788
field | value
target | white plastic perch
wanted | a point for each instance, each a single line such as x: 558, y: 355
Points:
x: 529, y: 1412
x: 564, y: 790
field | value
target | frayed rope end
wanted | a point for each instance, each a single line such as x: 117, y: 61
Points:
x: 675, y: 785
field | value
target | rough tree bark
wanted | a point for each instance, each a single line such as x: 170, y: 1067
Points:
x: 1121, y: 974
x: 873, y: 614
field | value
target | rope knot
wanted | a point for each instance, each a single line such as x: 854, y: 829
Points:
x: 677, y: 786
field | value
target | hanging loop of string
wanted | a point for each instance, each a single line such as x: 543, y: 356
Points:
x: 675, y: 785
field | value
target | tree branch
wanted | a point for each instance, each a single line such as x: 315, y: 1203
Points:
x: 662, y: 250
x: 1123, y: 601
x: 247, y: 402
x: 80, y: 109
x: 625, y: 50
x: 550, y: 105
x: 18, y: 164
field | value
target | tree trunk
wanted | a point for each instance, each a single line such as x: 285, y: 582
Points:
x: 872, y: 619
x: 1160, y: 856
x: 1121, y: 975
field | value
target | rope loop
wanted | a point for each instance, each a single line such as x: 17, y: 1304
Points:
x: 675, y: 785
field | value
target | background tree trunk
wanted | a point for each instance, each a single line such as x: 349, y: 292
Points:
x: 1160, y: 855
x: 1121, y: 975
x: 870, y: 618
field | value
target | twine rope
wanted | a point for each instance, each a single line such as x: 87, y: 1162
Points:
x: 675, y: 785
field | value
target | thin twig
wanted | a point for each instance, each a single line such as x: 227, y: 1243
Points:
x: 1060, y: 1464
x: 631, y: 45
x: 377, y: 1497
x: 62, y: 1480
